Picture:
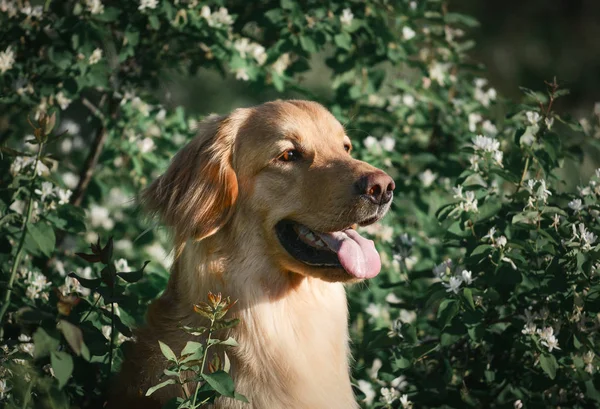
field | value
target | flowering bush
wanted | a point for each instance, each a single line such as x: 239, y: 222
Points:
x: 489, y: 295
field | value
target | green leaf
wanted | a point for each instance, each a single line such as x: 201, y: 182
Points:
x: 110, y: 14
x: 154, y: 23
x: 230, y: 342
x: 167, y: 352
x: 73, y: 335
x: 221, y: 382
x: 308, y: 44
x: 62, y: 365
x: 447, y: 311
x: 549, y: 365
x: 153, y: 389
x: 343, y: 40
x: 191, y: 348
x: 469, y: 297
x: 40, y: 239
x: 44, y: 343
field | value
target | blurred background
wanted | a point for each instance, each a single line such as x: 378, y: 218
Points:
x: 522, y: 43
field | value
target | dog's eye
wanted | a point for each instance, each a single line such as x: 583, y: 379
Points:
x: 290, y: 156
x: 347, y: 148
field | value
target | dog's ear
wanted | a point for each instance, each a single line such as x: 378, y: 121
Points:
x: 197, y: 194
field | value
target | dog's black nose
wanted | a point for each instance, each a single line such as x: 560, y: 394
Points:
x: 378, y: 187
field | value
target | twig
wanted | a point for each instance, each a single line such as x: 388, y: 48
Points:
x: 88, y: 168
x: 13, y: 270
x: 524, y: 174
x: 92, y: 159
x: 212, y: 322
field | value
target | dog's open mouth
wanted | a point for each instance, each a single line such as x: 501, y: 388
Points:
x: 340, y: 249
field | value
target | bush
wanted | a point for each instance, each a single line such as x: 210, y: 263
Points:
x: 489, y: 295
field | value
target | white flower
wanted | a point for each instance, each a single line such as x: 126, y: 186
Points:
x: 347, y: 17
x: 408, y: 100
x: 549, y: 122
x: 70, y: 179
x: 63, y: 101
x: 528, y: 138
x: 141, y: 106
x: 99, y: 216
x: 388, y: 143
x: 121, y: 265
x: 532, y: 117
x: 585, y: 237
x: 37, y: 283
x: 584, y: 191
x: 4, y: 388
x: 282, y: 63
x: 243, y: 46
x: 370, y: 142
x: 470, y: 203
x: 489, y: 128
x: 490, y: 234
x: 408, y: 33
x: 485, y: 143
x: 474, y: 119
x: 555, y: 221
x: 437, y: 72
x: 218, y: 18
x: 7, y: 60
x: 241, y: 74
x: 367, y: 388
x: 25, y: 345
x: 501, y: 242
x: 467, y: 277
x: 529, y: 329
x: 453, y: 285
x: 382, y: 232
x: 405, y: 402
x: 509, y: 261
x: 145, y: 145
x: 95, y: 57
x: 442, y: 269
x: 576, y: 205
x: 46, y: 191
x: 64, y: 195
x: 378, y: 311
x: 518, y: 404
x: 148, y: 4
x: 389, y: 395
x: 427, y: 178
x: 548, y: 338
x: 94, y: 6
x: 399, y: 383
x: 542, y: 191
x: 482, y: 96
x: 457, y: 192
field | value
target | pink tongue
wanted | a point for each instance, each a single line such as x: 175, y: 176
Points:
x: 357, y: 254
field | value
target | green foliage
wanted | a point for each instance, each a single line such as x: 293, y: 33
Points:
x: 489, y: 294
x: 210, y: 379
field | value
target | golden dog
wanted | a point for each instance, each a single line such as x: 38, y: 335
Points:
x: 262, y: 205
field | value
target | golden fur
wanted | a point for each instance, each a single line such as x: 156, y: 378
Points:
x: 222, y: 196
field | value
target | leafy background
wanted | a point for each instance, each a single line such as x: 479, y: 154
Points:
x: 96, y: 96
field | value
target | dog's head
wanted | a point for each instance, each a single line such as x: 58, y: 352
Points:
x: 284, y: 170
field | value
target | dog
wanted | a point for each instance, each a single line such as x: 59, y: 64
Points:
x: 263, y: 206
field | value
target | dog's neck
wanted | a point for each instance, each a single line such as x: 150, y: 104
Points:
x: 293, y: 327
